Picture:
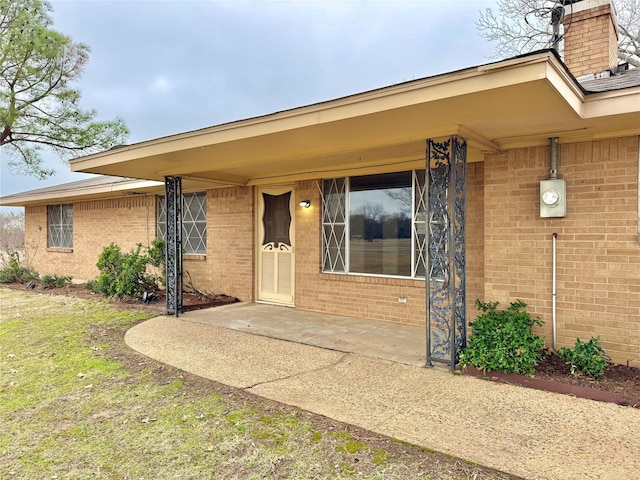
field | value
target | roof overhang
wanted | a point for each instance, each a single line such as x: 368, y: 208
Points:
x: 515, y: 103
x: 92, y: 189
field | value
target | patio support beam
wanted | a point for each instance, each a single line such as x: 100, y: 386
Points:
x: 445, y: 282
x: 173, y: 199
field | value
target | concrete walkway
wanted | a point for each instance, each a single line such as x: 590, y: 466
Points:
x: 529, y: 433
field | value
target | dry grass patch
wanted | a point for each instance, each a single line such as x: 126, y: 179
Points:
x: 76, y: 402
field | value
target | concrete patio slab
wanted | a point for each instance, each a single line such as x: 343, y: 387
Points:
x: 391, y: 341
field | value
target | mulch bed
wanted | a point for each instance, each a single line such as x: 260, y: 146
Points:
x: 156, y: 301
x: 620, y: 383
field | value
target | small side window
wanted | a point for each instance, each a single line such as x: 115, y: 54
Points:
x: 60, y: 226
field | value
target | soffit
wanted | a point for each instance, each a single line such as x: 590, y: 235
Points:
x: 505, y: 105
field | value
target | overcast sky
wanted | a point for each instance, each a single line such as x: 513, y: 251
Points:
x: 171, y: 66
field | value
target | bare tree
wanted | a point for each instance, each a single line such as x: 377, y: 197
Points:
x: 522, y: 26
x: 371, y: 211
x: 11, y: 230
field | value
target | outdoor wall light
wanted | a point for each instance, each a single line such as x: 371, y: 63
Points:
x: 305, y: 203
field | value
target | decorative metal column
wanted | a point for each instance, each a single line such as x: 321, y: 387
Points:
x: 173, y: 197
x: 445, y: 194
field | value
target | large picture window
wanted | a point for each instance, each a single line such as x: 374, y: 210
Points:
x: 60, y: 226
x: 374, y: 224
x: 194, y: 222
x: 380, y: 224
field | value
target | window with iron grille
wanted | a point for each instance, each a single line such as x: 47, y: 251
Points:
x: 375, y: 224
x: 194, y: 222
x: 60, y: 226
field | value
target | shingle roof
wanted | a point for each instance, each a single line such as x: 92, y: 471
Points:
x: 617, y: 81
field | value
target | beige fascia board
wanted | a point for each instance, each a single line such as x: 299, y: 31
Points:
x: 566, y: 86
x: 607, y: 104
x: 518, y: 61
x: 101, y: 191
x: 593, y: 105
x: 555, y: 72
x: 136, y: 185
x: 440, y: 87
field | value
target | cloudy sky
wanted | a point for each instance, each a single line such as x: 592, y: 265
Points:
x: 169, y: 66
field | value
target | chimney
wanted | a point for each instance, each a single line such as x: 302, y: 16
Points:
x: 591, y: 38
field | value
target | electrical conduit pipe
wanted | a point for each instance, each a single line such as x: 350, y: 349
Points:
x: 553, y: 288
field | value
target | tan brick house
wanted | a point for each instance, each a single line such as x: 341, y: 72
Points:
x: 512, y: 180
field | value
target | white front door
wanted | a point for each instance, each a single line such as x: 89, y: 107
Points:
x: 275, y: 244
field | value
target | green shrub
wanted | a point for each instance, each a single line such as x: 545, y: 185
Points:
x: 55, y: 281
x: 157, y: 253
x: 13, y: 270
x: 110, y: 265
x: 503, y: 340
x: 586, y: 357
x: 123, y: 274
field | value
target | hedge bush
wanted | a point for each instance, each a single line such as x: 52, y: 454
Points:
x: 13, y: 270
x: 503, y: 340
x: 125, y: 274
x: 586, y: 357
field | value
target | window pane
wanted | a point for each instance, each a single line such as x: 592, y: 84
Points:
x: 333, y: 225
x: 419, y: 223
x: 334, y: 198
x: 161, y: 220
x: 60, y: 226
x: 334, y: 248
x: 276, y: 219
x: 194, y: 222
x: 380, y: 224
x: 66, y: 240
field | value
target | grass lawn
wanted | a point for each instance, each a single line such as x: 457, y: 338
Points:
x: 76, y: 402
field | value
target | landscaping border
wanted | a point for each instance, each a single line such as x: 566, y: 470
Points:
x: 554, y: 387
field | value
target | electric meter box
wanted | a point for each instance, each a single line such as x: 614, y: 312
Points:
x: 553, y: 198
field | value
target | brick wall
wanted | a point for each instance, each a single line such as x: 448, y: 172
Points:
x: 351, y: 295
x: 227, y: 267
x: 375, y: 297
x: 475, y: 237
x: 230, y: 253
x: 125, y: 221
x: 598, y: 249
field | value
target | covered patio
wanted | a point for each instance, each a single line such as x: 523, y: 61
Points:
x: 371, y: 338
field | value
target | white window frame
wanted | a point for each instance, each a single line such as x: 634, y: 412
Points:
x: 194, y: 220
x: 418, y: 224
x: 60, y: 226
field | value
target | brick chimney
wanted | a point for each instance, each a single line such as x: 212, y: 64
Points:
x: 590, y: 38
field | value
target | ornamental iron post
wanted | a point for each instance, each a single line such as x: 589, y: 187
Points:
x: 445, y: 197
x: 173, y: 199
